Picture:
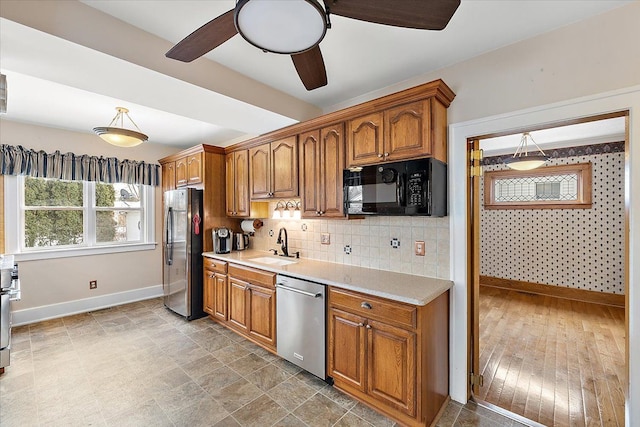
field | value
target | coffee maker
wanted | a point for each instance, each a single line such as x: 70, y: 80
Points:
x: 222, y: 240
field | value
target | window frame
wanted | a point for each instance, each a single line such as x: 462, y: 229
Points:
x: 14, y: 225
x: 582, y: 170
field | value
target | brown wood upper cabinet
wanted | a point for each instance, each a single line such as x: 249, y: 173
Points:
x: 412, y: 130
x: 273, y: 169
x: 169, y: 176
x: 321, y: 164
x: 237, y: 179
x: 188, y: 170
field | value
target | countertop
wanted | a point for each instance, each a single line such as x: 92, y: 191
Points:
x: 417, y: 290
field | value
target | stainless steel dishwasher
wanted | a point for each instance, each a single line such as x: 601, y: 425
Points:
x: 301, y: 308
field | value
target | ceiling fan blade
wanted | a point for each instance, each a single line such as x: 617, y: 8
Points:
x: 420, y: 14
x: 204, y: 39
x: 310, y: 68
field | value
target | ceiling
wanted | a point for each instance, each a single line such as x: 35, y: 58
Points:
x: 54, y: 81
x: 593, y: 132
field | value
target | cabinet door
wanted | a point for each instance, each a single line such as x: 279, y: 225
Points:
x: 260, y: 171
x: 364, y: 140
x: 208, y: 291
x: 237, y: 184
x: 331, y: 167
x: 391, y: 361
x: 230, y: 180
x: 169, y: 176
x: 262, y: 314
x: 219, y: 299
x: 347, y: 349
x: 310, y: 174
x: 194, y: 168
x: 408, y: 131
x: 181, y: 172
x: 284, y: 167
x: 238, y: 304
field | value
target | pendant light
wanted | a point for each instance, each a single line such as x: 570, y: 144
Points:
x: 277, y: 26
x: 522, y: 160
x: 120, y: 136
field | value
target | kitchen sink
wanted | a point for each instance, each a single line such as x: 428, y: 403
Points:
x: 272, y: 261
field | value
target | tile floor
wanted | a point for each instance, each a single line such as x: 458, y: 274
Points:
x: 141, y: 365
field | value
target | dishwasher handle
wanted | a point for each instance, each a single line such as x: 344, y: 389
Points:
x: 299, y: 291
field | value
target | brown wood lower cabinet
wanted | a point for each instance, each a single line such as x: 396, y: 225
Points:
x: 390, y: 355
x: 215, y: 288
x: 249, y: 299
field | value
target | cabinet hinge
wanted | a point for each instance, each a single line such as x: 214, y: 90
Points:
x: 476, y: 156
x: 476, y: 379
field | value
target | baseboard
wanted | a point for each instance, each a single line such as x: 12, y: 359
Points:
x: 555, y: 291
x: 52, y: 311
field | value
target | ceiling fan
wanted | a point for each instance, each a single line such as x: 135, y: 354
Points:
x: 296, y: 27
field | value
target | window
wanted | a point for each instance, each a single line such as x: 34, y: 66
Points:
x: 550, y: 187
x: 54, y: 218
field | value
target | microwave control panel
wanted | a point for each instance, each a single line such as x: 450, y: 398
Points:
x: 416, y: 187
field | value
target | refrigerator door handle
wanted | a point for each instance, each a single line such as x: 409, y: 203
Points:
x: 169, y: 238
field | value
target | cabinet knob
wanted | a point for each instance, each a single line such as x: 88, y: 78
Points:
x: 367, y: 326
x: 318, y: 213
x: 360, y: 325
x: 366, y: 305
x: 386, y: 154
x: 379, y: 155
x: 211, y: 276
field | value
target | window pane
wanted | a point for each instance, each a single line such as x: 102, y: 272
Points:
x: 52, y: 228
x: 52, y: 192
x: 118, y: 226
x: 118, y: 195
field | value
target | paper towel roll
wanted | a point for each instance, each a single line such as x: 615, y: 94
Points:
x: 251, y: 225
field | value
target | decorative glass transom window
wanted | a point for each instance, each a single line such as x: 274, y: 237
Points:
x: 560, y: 187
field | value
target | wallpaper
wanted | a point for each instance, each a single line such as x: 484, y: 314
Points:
x: 575, y: 248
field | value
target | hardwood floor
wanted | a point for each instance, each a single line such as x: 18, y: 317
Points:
x: 554, y: 361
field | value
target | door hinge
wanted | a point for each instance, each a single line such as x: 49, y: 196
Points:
x: 475, y: 157
x: 476, y: 379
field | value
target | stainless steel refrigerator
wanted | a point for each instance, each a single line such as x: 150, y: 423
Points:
x: 182, y: 242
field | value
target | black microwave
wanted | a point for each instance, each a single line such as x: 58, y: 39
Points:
x: 412, y: 187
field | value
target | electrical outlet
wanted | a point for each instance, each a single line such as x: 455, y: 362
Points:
x: 395, y: 243
x: 325, y: 238
x: 419, y: 248
x: 93, y: 284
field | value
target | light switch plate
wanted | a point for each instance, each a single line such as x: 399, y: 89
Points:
x: 419, y: 248
x: 325, y: 238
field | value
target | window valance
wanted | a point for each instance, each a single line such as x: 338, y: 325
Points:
x: 73, y: 167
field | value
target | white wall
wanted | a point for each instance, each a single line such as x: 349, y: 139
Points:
x: 48, y: 286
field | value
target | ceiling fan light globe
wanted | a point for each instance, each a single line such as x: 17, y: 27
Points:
x: 120, y: 137
x: 526, y: 163
x: 281, y: 26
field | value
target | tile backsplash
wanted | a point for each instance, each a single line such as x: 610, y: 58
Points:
x: 381, y: 242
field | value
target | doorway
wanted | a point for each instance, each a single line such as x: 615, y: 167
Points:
x: 525, y: 337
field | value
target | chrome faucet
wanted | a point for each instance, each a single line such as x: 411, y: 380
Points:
x: 284, y: 243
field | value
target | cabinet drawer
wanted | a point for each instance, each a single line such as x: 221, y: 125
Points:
x: 215, y: 265
x: 252, y: 275
x: 373, y: 307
